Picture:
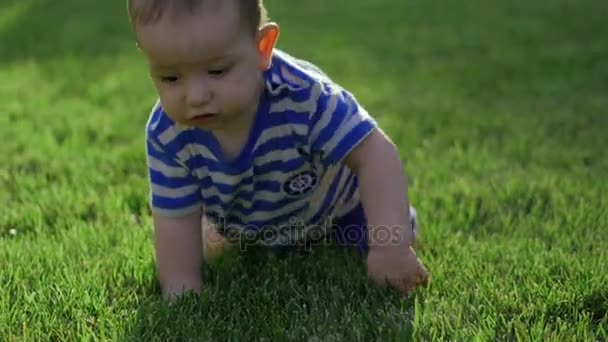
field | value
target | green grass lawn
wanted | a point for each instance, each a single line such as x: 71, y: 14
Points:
x: 500, y: 109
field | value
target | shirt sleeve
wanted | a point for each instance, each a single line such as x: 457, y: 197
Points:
x: 338, y: 125
x: 174, y: 191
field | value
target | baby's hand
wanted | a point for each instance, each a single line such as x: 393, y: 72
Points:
x: 396, y: 266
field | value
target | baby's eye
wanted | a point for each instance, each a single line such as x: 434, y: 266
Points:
x: 218, y: 72
x: 169, y: 79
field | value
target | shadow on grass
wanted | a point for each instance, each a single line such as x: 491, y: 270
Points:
x: 257, y: 295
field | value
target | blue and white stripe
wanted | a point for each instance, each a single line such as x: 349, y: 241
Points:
x: 305, y: 124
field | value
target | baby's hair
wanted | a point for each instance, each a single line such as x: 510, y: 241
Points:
x: 253, y: 12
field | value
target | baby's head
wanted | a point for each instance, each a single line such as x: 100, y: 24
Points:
x: 206, y: 57
x: 252, y: 12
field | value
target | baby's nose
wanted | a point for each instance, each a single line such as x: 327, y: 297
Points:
x: 199, y: 93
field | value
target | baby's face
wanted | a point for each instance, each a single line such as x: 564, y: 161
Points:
x: 206, y: 66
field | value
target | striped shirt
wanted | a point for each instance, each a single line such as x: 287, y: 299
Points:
x: 288, y: 177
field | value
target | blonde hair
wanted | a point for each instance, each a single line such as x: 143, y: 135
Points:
x: 253, y: 12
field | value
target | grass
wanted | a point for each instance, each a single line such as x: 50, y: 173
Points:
x: 500, y: 112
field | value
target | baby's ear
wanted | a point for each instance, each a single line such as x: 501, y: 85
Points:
x: 266, y: 40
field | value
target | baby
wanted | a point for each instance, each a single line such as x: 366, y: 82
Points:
x: 249, y: 145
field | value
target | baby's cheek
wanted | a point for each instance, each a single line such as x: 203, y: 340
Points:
x: 172, y: 107
x: 241, y: 95
x: 171, y: 100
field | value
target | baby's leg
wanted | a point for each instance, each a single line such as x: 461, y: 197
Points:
x: 351, y: 230
x: 214, y: 244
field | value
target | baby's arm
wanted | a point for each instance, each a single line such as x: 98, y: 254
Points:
x: 383, y: 189
x: 178, y: 254
x: 343, y: 131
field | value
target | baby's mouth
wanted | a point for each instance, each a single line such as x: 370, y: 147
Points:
x: 204, y: 117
